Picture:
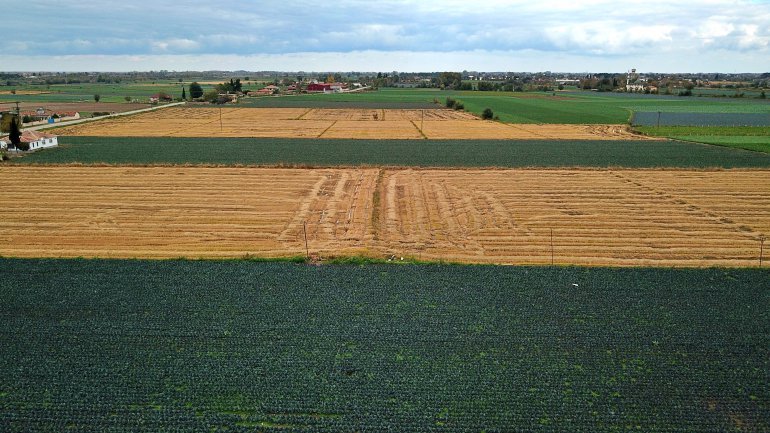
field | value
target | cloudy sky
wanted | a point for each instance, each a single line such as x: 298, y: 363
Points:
x: 386, y: 35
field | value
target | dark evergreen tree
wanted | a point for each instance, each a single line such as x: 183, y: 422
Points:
x: 15, y: 133
x: 196, y: 91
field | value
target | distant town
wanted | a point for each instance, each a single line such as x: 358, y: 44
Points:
x: 720, y: 84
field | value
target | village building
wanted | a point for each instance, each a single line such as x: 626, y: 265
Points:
x: 158, y: 97
x: 36, y: 140
x: 638, y: 84
x: 42, y: 115
x: 266, y: 91
x: 327, y: 87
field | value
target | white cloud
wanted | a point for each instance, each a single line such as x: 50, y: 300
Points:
x: 714, y: 28
x: 599, y: 31
x: 174, y: 45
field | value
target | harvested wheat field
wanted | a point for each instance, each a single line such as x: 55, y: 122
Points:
x: 333, y: 123
x: 619, y: 217
x: 191, y: 212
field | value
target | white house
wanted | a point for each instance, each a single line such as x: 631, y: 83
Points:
x: 38, y: 140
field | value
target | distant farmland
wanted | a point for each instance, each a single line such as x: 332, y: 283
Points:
x: 700, y: 119
x: 334, y: 123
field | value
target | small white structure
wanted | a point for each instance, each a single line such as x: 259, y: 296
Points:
x: 4, y: 142
x: 39, y: 140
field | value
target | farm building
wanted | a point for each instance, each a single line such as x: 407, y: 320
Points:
x: 327, y: 87
x: 45, y: 115
x: 319, y: 87
x: 4, y: 142
x: 158, y: 97
x: 39, y: 140
x: 267, y: 91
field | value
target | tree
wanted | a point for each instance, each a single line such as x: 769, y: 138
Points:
x: 97, y: 97
x: 184, y: 94
x: 486, y: 86
x: 211, y: 96
x: 449, y: 80
x: 196, y: 91
x: 234, y: 86
x: 127, y: 98
x: 15, y: 134
x: 487, y: 114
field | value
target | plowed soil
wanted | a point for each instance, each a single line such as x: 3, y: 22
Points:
x: 580, y: 217
x: 334, y: 123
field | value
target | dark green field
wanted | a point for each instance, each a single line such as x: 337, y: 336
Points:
x: 575, y: 107
x: 325, y: 101
x: 155, y: 346
x: 756, y: 138
x: 423, y: 153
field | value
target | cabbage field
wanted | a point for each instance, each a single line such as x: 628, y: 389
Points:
x: 180, y: 346
x: 421, y: 153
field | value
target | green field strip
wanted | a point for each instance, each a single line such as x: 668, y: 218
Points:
x: 417, y: 153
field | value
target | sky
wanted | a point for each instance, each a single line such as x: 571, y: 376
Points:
x: 386, y: 35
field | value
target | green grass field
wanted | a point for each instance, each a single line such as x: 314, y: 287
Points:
x: 755, y: 138
x: 143, y: 346
x: 422, y: 153
x: 541, y: 107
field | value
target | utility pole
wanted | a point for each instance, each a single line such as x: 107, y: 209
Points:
x: 552, y: 247
x: 304, y: 230
x: 220, y: 119
x: 761, y: 248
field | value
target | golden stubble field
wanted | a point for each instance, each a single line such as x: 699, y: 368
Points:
x: 597, y: 217
x: 334, y: 123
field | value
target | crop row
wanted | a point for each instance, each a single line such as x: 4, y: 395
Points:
x: 424, y: 153
x: 202, y: 346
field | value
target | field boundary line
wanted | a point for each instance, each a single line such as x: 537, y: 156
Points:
x: 419, y: 130
x: 727, y: 223
x: 327, y: 129
x: 518, y: 128
x: 309, y: 110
